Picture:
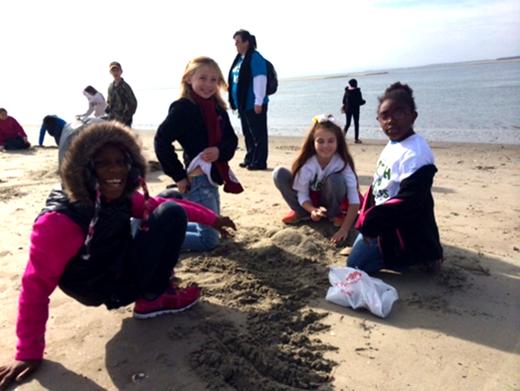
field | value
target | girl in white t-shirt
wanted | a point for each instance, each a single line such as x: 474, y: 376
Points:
x: 322, y: 182
x: 397, y: 222
x: 96, y: 103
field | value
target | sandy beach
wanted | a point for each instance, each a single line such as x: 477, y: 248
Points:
x: 263, y: 322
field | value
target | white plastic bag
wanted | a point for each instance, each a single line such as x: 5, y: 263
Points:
x: 355, y: 288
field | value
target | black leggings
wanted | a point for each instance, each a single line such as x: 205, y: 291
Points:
x: 349, y: 114
x: 16, y: 143
x: 153, y: 255
x: 156, y: 251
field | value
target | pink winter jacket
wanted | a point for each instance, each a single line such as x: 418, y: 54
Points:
x: 55, y: 240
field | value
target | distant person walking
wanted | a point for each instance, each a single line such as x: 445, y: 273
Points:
x: 352, y: 100
x: 247, y: 93
x: 12, y: 135
x: 96, y: 103
x: 121, y: 102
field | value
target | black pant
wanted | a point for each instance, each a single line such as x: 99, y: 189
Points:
x: 349, y: 114
x: 153, y: 255
x: 16, y: 143
x: 155, y: 252
x: 254, y: 127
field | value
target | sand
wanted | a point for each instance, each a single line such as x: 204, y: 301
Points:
x: 263, y: 322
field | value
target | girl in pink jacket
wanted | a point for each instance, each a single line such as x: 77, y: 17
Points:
x: 82, y: 241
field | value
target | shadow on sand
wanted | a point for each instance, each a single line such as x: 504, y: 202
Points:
x: 55, y: 376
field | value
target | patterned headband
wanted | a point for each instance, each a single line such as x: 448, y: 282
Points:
x: 321, y: 118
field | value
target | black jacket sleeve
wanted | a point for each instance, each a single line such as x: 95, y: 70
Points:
x: 361, y: 100
x: 169, y: 131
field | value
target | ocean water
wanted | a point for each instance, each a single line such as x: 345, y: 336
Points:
x: 462, y: 102
x: 477, y: 102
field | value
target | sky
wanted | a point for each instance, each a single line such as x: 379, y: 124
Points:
x: 52, y: 49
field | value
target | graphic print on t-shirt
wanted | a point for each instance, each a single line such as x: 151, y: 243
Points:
x: 381, y: 181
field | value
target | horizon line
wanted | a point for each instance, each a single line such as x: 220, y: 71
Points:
x: 379, y: 71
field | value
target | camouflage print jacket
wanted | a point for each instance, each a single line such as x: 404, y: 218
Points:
x: 121, y: 102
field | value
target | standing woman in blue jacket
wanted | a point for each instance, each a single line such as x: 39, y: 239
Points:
x: 247, y: 93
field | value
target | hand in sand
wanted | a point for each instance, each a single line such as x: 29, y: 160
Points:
x: 222, y: 223
x: 17, y: 371
x: 318, y: 213
x: 339, y: 236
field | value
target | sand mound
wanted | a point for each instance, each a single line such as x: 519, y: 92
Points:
x: 270, y: 281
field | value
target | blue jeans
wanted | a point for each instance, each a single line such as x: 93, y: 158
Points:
x: 204, y: 193
x: 365, y: 256
x: 201, y: 237
x: 198, y: 236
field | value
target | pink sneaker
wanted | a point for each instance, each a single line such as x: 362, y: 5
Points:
x: 170, y: 302
x: 293, y: 218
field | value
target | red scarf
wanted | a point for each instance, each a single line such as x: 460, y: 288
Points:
x: 208, y: 108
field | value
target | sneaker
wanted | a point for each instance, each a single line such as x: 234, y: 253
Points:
x: 170, y: 302
x: 293, y: 218
x: 254, y: 167
x: 358, y: 141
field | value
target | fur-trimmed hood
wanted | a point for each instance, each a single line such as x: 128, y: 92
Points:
x: 77, y: 170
